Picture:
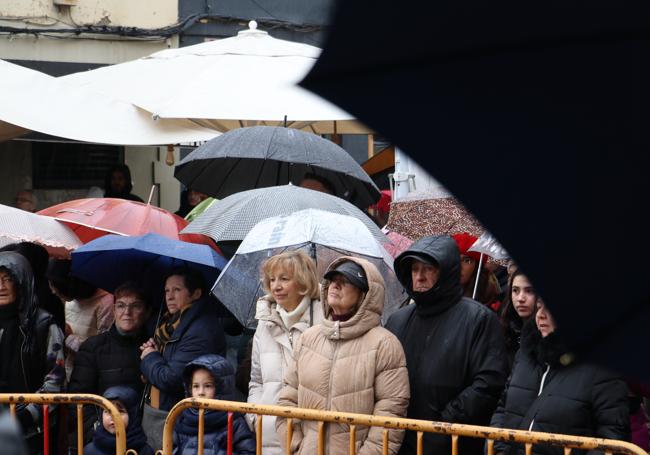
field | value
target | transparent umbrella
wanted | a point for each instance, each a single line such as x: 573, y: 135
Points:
x: 325, y: 236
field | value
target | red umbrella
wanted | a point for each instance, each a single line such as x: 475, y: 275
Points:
x: 95, y: 217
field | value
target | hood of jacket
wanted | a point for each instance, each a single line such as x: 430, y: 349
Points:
x: 18, y: 266
x: 369, y: 311
x: 447, y: 291
x: 130, y: 398
x: 222, y: 372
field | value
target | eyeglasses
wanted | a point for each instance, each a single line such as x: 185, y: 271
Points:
x: 137, y: 307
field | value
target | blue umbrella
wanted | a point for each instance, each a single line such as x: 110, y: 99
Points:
x: 111, y: 260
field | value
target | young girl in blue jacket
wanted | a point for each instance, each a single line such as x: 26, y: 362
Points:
x: 211, y: 376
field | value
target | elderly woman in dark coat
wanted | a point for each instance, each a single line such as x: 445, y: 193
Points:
x: 188, y: 329
x: 549, y: 392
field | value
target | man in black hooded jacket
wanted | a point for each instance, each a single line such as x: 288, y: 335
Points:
x: 454, y: 346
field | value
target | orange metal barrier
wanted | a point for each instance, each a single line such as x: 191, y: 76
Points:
x: 46, y: 399
x: 454, y: 430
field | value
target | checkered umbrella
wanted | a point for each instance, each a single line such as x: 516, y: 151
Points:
x: 233, y: 217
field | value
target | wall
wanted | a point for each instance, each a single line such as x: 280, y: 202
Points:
x: 40, y: 15
x: 148, y: 168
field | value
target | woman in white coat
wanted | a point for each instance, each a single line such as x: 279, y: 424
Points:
x: 289, y: 308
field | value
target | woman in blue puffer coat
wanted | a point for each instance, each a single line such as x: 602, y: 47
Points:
x: 211, y: 376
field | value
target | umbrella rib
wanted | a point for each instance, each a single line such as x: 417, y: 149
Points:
x: 259, y: 174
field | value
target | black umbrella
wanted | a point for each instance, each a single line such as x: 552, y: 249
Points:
x: 263, y: 156
x: 535, y: 115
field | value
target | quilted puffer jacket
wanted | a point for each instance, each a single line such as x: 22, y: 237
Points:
x: 351, y: 366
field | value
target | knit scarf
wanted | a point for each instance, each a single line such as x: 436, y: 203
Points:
x: 214, y: 422
x: 289, y: 318
x: 165, y: 330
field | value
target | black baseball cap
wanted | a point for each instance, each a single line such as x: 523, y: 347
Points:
x: 353, y: 272
x: 420, y: 257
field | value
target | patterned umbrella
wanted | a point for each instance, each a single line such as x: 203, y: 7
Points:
x: 20, y: 226
x: 415, y: 218
x: 231, y: 218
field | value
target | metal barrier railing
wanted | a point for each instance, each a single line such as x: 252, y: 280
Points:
x: 454, y: 430
x: 47, y: 399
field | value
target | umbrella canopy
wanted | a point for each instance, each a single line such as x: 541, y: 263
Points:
x: 111, y: 260
x: 20, y: 226
x: 325, y: 236
x: 95, y: 217
x: 555, y: 92
x: 399, y: 243
x: 419, y: 217
x: 262, y: 156
x: 233, y: 217
x: 220, y: 83
x: 81, y: 114
x: 199, y: 209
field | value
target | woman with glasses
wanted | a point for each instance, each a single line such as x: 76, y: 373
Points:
x: 113, y: 357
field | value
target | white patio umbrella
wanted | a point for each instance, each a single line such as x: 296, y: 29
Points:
x: 324, y: 235
x: 32, y: 100
x: 20, y: 226
x: 245, y: 80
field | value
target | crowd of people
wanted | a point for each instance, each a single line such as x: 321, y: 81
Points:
x: 473, y: 344
x: 319, y: 344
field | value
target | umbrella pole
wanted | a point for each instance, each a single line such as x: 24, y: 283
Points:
x: 478, y: 276
x: 153, y: 188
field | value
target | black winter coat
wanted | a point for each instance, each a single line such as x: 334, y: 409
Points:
x: 454, y: 349
x: 107, y: 360
x: 579, y: 399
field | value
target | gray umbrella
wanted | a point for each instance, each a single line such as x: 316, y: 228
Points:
x: 264, y: 156
x: 231, y: 218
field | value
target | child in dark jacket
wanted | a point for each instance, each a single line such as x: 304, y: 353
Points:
x: 211, y: 376
x: 127, y: 401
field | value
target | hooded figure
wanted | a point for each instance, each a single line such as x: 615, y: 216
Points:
x: 348, y: 363
x: 550, y: 393
x: 104, y: 441
x: 215, y: 438
x: 118, y: 183
x: 38, y: 258
x: 31, y: 344
x: 454, y: 345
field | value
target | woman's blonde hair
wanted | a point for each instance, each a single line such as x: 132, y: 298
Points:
x: 299, y: 265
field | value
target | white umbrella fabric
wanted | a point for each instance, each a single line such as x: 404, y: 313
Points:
x: 20, y: 226
x: 245, y: 80
x: 32, y: 100
x: 325, y: 236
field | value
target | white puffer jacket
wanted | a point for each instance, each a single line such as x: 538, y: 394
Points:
x: 271, y: 356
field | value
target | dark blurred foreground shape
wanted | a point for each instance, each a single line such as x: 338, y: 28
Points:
x: 535, y: 115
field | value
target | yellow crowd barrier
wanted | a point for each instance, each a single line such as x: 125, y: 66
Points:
x: 48, y: 399
x: 453, y: 430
